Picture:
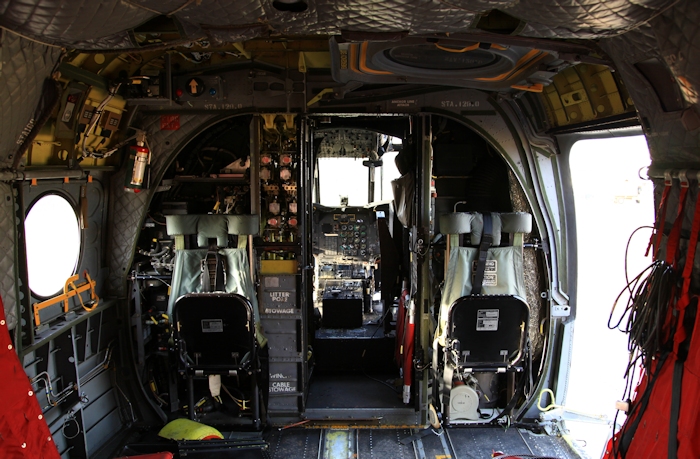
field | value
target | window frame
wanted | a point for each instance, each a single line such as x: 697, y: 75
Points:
x: 78, y: 260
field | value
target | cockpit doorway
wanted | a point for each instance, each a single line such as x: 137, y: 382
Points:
x: 357, y: 265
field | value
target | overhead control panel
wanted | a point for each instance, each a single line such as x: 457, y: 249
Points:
x: 346, y: 143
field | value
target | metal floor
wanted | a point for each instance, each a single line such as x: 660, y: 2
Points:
x: 458, y: 443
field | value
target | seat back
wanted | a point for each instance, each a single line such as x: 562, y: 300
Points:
x: 487, y: 332
x: 502, y: 264
x: 216, y: 331
x: 189, y: 274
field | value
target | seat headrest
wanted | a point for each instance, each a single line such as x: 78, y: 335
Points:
x: 212, y: 226
x: 473, y: 223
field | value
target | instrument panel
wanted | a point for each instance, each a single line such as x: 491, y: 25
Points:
x: 349, y: 233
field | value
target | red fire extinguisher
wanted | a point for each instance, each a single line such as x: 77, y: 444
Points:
x: 137, y: 165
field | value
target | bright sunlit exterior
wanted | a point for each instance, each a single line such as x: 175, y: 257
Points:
x: 611, y: 201
x: 53, y: 244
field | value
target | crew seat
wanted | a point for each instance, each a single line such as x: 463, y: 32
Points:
x: 483, y: 317
x: 214, y: 306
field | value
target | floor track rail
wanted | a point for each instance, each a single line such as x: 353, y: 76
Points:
x: 339, y: 442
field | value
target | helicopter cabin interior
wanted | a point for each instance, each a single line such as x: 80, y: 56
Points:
x: 331, y: 255
x: 302, y: 231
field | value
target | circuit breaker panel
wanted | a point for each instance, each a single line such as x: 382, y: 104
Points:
x: 278, y: 253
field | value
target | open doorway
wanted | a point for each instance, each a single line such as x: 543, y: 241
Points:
x: 609, y: 194
x: 353, y: 346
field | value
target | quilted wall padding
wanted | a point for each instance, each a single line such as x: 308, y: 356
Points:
x: 128, y: 210
x: 669, y: 37
x: 25, y: 66
x: 65, y: 22
x: 102, y: 25
x: 8, y: 279
x: 584, y: 18
x: 668, y: 140
x: 677, y: 32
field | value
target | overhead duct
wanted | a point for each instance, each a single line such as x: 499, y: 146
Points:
x: 445, y: 61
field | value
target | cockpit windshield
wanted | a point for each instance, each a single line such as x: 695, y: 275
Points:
x: 344, y: 179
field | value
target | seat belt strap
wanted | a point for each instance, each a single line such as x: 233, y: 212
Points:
x: 447, y: 375
x: 435, y: 371
x: 486, y: 240
x: 220, y: 273
x: 213, y: 272
x: 204, y: 277
x: 179, y: 242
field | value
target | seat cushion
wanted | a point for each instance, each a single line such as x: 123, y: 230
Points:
x: 217, y: 329
x: 491, y: 330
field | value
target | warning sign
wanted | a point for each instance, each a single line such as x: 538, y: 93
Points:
x: 169, y: 122
x: 490, y: 267
x: 490, y: 280
x: 487, y: 320
x: 212, y: 326
x: 490, y: 273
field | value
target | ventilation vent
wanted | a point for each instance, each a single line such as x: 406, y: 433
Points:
x: 496, y: 21
x: 665, y: 85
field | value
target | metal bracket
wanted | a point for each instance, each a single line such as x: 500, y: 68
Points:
x: 561, y: 310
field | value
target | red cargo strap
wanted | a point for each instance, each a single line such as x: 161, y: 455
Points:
x: 660, y: 216
x: 400, y: 327
x: 684, y: 299
x: 674, y: 236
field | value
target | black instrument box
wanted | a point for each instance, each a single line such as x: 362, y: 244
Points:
x: 343, y: 304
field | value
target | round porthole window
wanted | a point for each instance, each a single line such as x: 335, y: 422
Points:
x: 53, y: 244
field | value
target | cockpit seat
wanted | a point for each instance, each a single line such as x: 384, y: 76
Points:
x: 214, y: 307
x: 483, y: 316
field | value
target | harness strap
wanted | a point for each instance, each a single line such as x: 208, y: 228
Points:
x: 213, y: 272
x: 486, y: 240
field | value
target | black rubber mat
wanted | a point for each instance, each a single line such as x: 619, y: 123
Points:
x: 353, y: 391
